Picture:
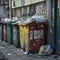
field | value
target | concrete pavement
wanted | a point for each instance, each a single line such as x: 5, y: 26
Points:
x: 13, y: 53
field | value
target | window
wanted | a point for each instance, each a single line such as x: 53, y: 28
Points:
x: 6, y: 2
x: 22, y: 2
x: 24, y: 11
x: 59, y: 9
x: 20, y: 12
x: 0, y: 1
x: 32, y: 10
x: 14, y: 13
x: 13, y: 3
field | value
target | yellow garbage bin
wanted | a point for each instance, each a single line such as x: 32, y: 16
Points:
x: 26, y: 28
x: 21, y: 32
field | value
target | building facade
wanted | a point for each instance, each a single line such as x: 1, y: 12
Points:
x: 23, y: 8
x: 4, y: 8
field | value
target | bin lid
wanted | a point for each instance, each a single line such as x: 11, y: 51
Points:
x: 15, y: 22
x: 19, y: 23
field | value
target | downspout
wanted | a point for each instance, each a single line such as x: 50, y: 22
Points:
x: 55, y: 22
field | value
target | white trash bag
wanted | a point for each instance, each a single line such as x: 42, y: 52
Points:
x: 45, y: 50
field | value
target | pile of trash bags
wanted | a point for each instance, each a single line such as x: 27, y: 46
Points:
x: 34, y: 18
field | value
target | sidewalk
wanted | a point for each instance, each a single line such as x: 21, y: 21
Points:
x: 13, y: 53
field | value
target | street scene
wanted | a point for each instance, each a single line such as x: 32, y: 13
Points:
x: 30, y: 29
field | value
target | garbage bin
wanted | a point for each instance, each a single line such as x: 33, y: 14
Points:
x: 4, y: 30
x: 9, y: 32
x: 1, y: 31
x: 15, y: 33
x: 21, y: 32
x: 37, y: 36
x: 32, y: 36
x: 26, y: 37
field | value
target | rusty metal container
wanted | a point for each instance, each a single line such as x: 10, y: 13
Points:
x: 35, y: 36
x: 4, y: 26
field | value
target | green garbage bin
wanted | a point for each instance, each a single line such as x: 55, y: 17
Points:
x: 0, y: 30
x: 9, y: 32
x: 15, y: 33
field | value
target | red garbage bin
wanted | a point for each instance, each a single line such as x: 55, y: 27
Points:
x: 37, y: 35
x: 4, y: 31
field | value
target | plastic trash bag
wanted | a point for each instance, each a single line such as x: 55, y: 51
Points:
x: 29, y: 20
x: 38, y: 18
x: 45, y: 50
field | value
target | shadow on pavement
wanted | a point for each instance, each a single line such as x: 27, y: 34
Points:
x: 2, y: 57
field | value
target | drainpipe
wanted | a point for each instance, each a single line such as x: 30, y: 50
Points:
x: 11, y: 9
x: 55, y: 22
x: 10, y: 5
x: 48, y: 15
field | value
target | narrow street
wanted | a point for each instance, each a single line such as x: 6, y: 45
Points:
x: 29, y: 29
x: 13, y: 53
